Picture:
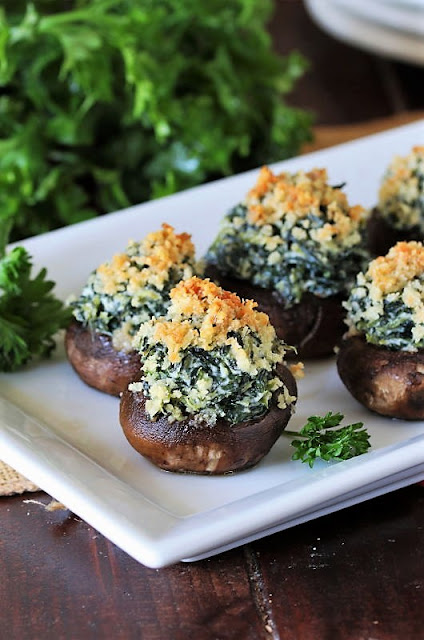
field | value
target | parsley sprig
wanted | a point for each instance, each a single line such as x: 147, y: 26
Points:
x: 319, y: 439
x: 30, y: 314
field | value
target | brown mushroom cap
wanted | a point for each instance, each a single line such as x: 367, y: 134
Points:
x: 387, y: 382
x: 97, y: 363
x: 192, y: 446
x: 381, y: 236
x: 314, y: 326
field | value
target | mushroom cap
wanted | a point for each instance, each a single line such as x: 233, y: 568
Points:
x: 193, y: 446
x: 97, y: 362
x: 390, y: 383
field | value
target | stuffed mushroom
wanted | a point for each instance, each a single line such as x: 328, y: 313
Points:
x: 119, y: 295
x: 381, y: 358
x: 294, y: 245
x: 399, y: 214
x: 215, y: 393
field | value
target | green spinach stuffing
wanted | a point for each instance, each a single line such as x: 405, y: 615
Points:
x: 401, y: 196
x: 293, y: 234
x: 386, y: 305
x: 135, y: 285
x: 107, y: 103
x: 212, y: 356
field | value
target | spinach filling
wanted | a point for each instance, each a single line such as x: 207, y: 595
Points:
x: 105, y: 313
x: 294, y: 264
x: 389, y: 323
x: 402, y: 194
x: 208, y: 385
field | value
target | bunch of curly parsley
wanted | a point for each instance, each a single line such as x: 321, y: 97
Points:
x: 107, y: 103
x: 30, y: 314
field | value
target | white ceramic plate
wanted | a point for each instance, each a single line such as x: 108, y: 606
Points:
x: 398, y: 16
x: 345, y: 22
x: 66, y: 437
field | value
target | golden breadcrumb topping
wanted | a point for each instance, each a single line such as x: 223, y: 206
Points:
x: 399, y: 171
x: 296, y: 196
x: 285, y: 399
x: 213, y: 355
x: 203, y: 315
x: 297, y: 369
x: 387, y: 303
x: 390, y: 273
x: 159, y: 251
x: 401, y: 192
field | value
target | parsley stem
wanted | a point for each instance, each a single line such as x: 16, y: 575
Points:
x: 297, y: 434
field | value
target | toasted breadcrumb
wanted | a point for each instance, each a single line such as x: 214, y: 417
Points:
x: 401, y: 195
x: 203, y: 314
x: 134, y: 286
x: 159, y: 251
x: 387, y: 303
x: 390, y: 273
x: 210, y: 335
x: 297, y: 369
x: 297, y: 195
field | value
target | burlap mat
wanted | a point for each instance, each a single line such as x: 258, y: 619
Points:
x: 11, y: 482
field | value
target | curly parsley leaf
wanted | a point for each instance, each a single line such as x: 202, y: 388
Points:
x: 30, y: 314
x: 318, y: 438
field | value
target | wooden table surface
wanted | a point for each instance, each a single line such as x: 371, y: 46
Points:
x: 357, y: 574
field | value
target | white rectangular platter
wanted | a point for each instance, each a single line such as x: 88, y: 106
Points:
x: 66, y: 437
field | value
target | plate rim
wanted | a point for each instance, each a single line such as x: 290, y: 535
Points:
x: 178, y: 533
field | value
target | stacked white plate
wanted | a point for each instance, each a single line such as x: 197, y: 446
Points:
x: 392, y: 28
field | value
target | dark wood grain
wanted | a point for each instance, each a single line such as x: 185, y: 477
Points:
x: 354, y: 575
x: 62, y: 579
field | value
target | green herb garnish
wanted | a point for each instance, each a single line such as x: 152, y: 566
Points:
x: 319, y: 439
x: 106, y: 103
x: 29, y: 313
